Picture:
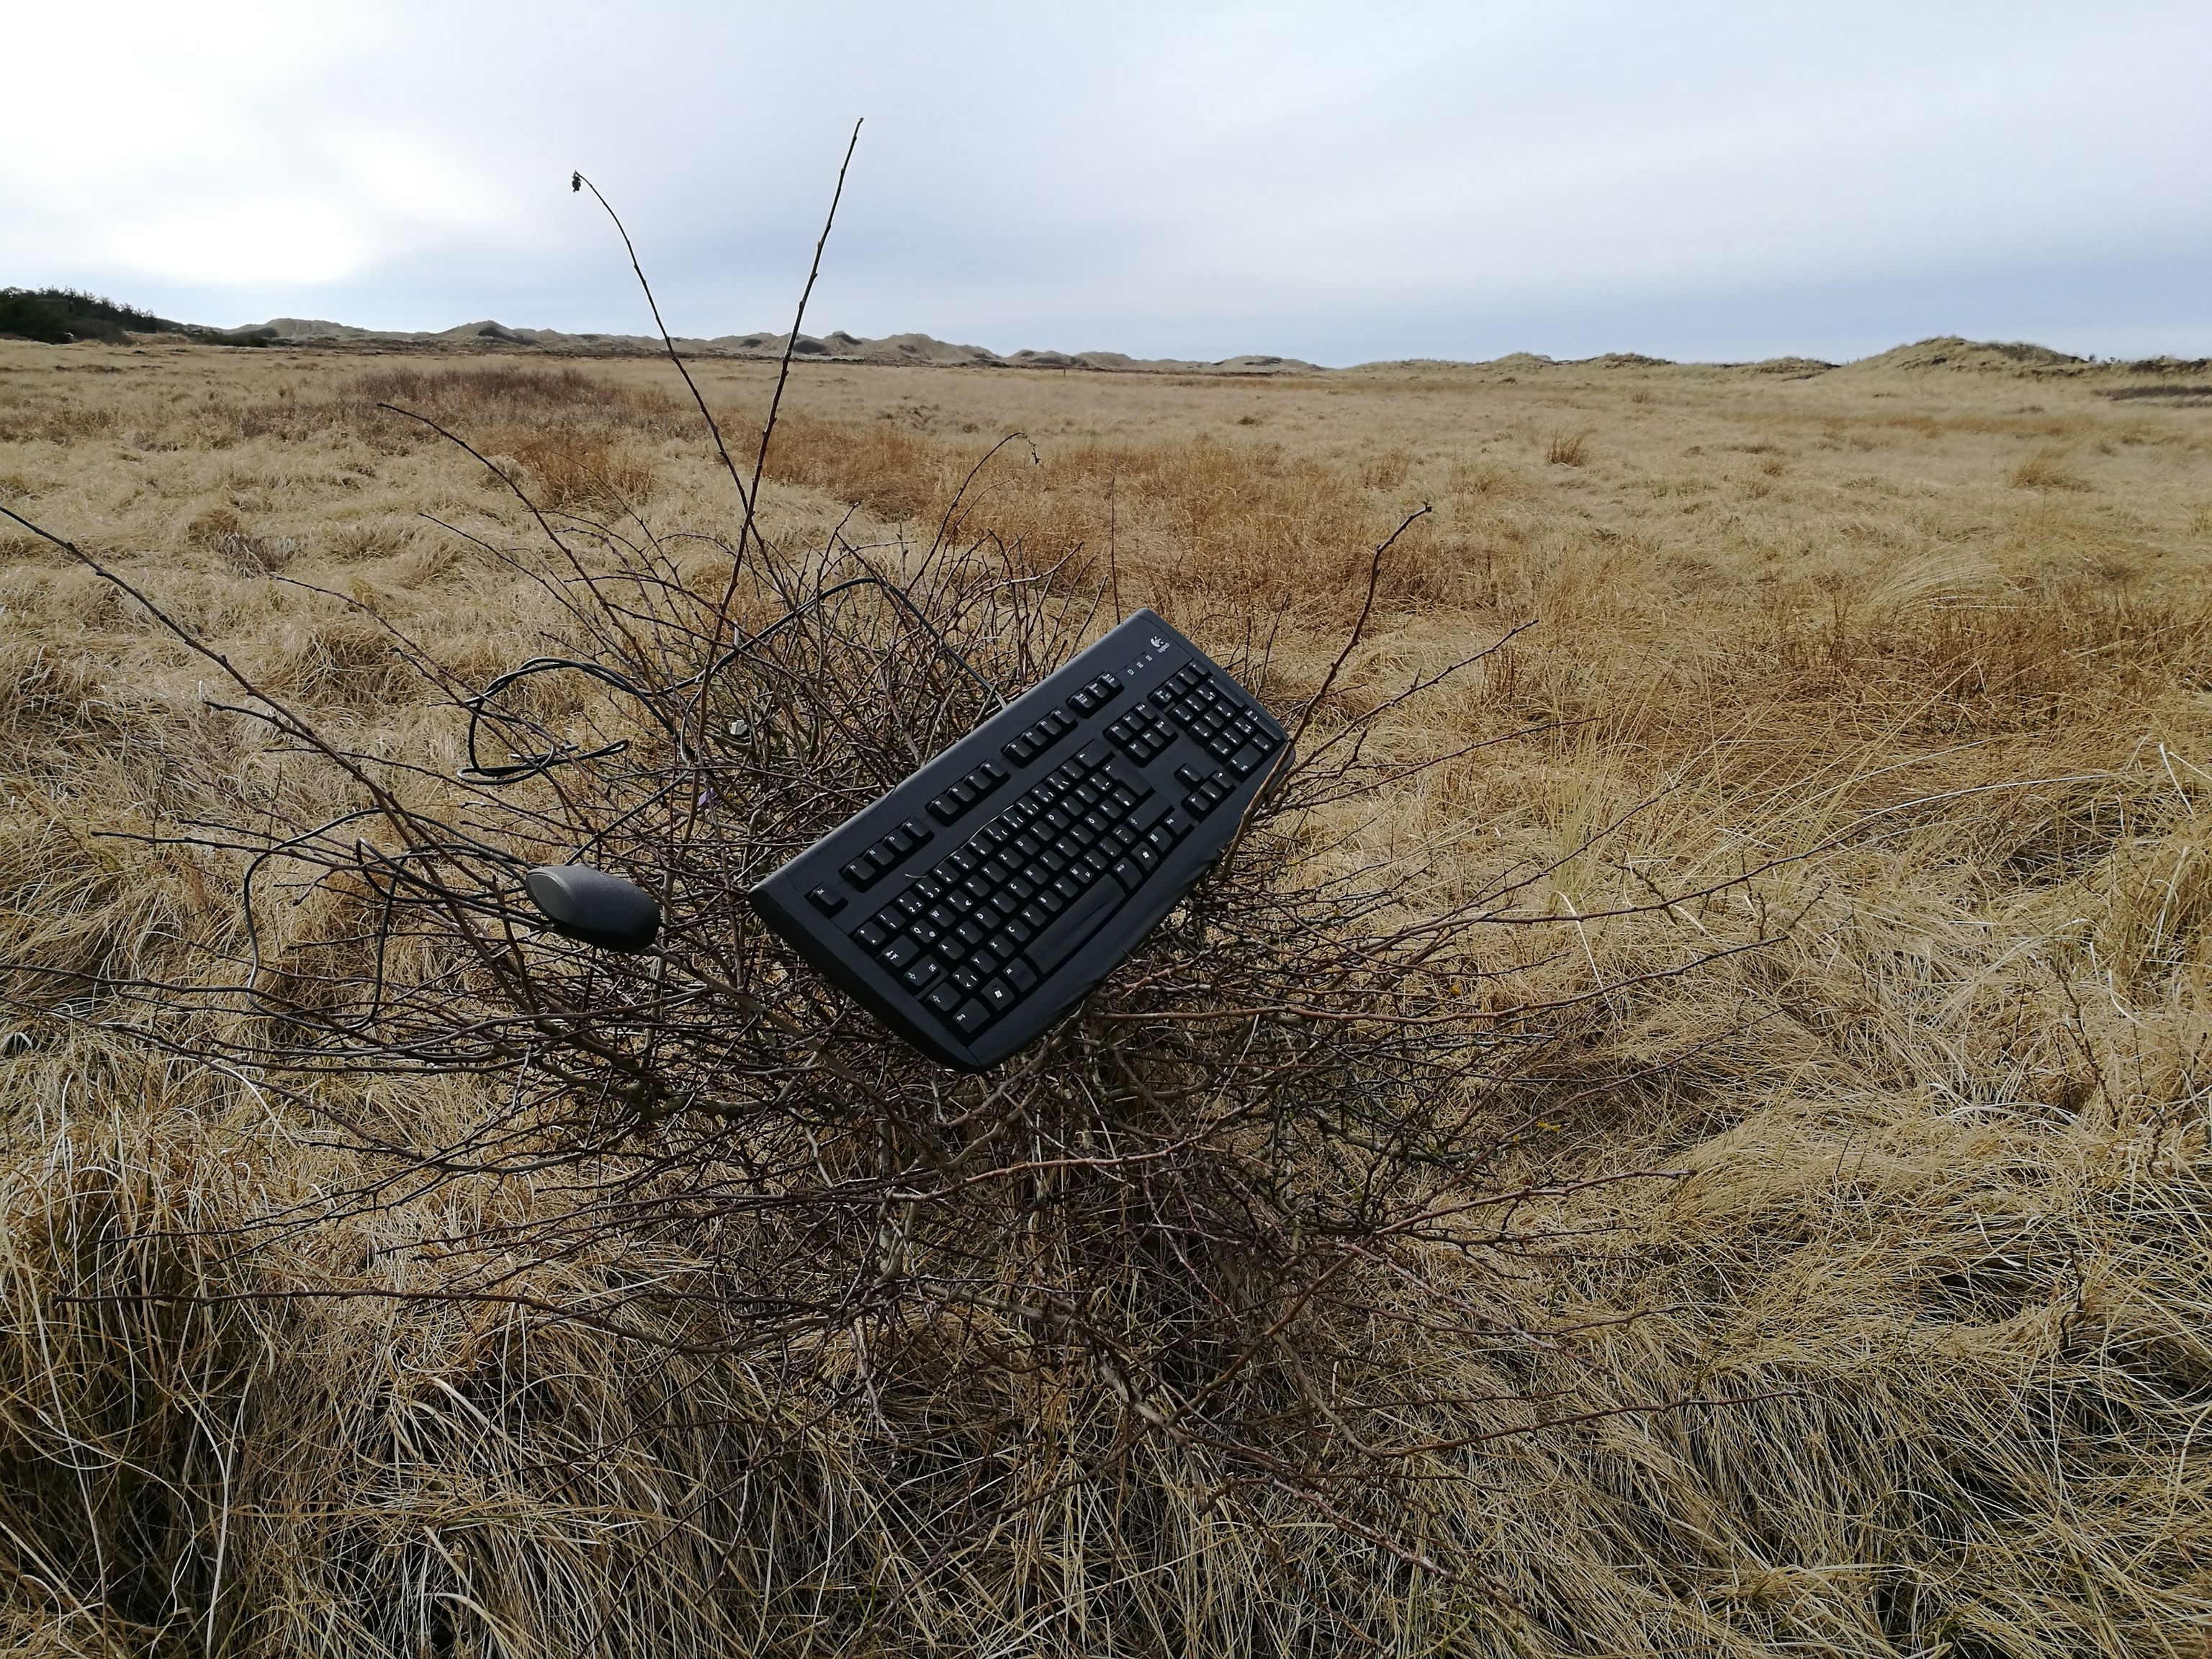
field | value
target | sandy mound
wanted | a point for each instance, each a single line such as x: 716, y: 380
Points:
x: 1949, y: 352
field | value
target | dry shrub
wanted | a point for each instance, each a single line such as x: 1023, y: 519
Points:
x: 502, y: 397
x: 567, y: 469
x: 898, y: 475
x: 2048, y: 469
x: 356, y: 543
x: 1201, y: 526
x: 1567, y: 449
x: 58, y: 426
x: 1386, y: 471
x: 208, y: 528
x: 340, y: 661
x: 1486, y: 481
x: 1201, y: 1231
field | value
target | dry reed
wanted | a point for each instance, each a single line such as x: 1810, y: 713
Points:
x: 1942, y: 1233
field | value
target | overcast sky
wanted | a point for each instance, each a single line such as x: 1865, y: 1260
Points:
x: 1340, y: 182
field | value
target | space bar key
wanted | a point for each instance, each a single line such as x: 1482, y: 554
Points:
x: 1073, y: 925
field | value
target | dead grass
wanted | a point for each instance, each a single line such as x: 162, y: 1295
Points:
x: 1568, y: 449
x: 1943, y: 1238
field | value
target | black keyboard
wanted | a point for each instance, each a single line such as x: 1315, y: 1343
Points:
x: 978, y: 902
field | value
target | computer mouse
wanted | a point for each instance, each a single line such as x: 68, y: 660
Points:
x: 594, y: 907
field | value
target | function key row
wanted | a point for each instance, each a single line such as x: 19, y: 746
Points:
x: 874, y: 865
x: 970, y: 789
x: 1039, y: 737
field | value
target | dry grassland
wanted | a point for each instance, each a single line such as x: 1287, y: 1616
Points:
x: 1931, y: 651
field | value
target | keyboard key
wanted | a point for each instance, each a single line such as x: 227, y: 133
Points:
x: 1196, y: 803
x: 945, y: 915
x: 1068, y: 887
x: 945, y: 809
x: 972, y: 1017
x: 1128, y: 874
x: 872, y: 934
x: 922, y: 975
x: 945, y: 998
x: 951, y: 948
x: 1145, y: 857
x: 998, y: 996
x: 1021, y: 976
x: 970, y: 932
x: 996, y: 772
x: 860, y: 873
x: 967, y: 976
x: 1189, y: 776
x: 1247, y: 762
x: 899, y: 953
x: 923, y: 931
x: 826, y: 903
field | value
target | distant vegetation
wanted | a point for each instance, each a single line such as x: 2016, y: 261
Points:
x: 58, y: 315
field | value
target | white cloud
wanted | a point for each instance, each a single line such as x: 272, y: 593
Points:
x: 267, y: 239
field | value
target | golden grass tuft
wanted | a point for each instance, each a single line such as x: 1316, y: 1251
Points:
x: 1941, y: 1242
x: 1567, y: 449
x: 2048, y: 469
